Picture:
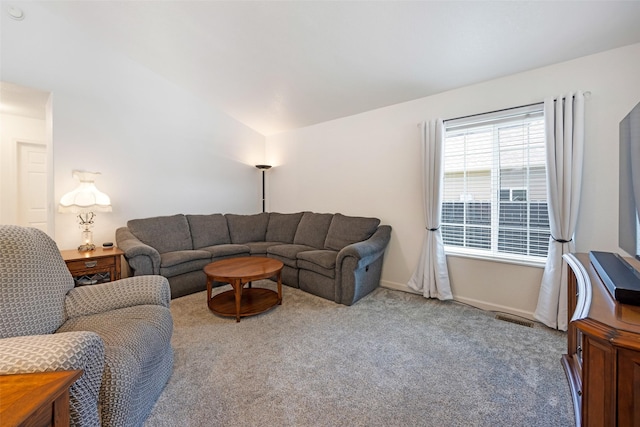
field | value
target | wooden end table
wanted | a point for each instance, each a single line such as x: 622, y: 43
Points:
x: 39, y: 399
x: 97, y: 266
x: 240, y: 302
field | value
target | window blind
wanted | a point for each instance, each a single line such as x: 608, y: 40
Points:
x: 495, y: 192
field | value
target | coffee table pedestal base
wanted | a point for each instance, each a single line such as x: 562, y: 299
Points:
x: 253, y: 301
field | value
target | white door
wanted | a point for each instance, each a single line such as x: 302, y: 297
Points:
x: 32, y: 185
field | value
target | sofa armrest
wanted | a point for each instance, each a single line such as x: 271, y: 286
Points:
x: 359, y: 265
x: 61, y: 352
x: 367, y: 251
x: 128, y: 292
x: 142, y: 258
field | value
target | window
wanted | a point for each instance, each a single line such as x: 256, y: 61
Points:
x: 495, y: 192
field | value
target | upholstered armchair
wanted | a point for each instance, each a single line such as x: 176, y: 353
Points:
x: 118, y: 333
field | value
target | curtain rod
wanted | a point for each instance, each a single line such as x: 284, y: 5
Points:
x: 587, y: 95
x: 491, y: 112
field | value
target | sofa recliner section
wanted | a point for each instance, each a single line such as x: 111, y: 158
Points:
x: 118, y: 333
x: 333, y: 256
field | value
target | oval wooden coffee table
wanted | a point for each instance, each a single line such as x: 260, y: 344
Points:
x: 241, y: 302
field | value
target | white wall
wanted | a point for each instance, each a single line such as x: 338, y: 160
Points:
x: 368, y: 164
x: 160, y: 149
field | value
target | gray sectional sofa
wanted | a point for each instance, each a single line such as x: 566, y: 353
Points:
x: 334, y: 256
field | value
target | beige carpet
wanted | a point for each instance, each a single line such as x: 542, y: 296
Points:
x: 392, y: 359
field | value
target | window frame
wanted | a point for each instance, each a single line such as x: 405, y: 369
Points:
x: 531, y: 112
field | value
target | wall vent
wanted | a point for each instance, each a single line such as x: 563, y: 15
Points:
x: 510, y: 319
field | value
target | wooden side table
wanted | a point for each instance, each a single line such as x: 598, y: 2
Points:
x: 39, y: 399
x: 91, y: 267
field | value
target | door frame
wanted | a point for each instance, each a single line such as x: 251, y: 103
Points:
x: 19, y: 145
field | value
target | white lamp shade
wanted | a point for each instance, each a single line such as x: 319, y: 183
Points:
x: 86, y: 197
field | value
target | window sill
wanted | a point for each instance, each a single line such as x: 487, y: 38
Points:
x: 470, y: 253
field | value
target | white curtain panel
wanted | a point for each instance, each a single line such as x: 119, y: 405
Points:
x: 431, y: 277
x: 564, y: 122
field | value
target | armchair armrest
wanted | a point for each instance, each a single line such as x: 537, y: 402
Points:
x: 367, y: 251
x: 128, y: 292
x: 61, y: 352
x: 142, y: 258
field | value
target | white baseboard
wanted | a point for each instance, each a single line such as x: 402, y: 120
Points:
x: 496, y: 307
x: 397, y: 286
x: 483, y: 305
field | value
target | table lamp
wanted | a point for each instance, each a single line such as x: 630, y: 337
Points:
x: 85, y: 200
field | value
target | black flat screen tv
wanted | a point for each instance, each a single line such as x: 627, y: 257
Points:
x: 629, y: 197
x: 620, y: 277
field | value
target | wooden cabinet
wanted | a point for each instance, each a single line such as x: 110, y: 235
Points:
x: 603, y: 358
x: 91, y: 267
x: 39, y: 399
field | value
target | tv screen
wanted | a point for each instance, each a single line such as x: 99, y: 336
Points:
x: 629, y: 226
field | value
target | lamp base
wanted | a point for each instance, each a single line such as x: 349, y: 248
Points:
x: 87, y: 247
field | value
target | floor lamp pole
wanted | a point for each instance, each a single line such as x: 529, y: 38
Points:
x: 263, y: 190
x: 263, y: 168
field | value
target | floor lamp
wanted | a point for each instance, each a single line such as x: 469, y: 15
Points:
x: 263, y: 168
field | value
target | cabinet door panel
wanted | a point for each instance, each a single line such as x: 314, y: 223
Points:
x: 598, y: 399
x: 628, y: 388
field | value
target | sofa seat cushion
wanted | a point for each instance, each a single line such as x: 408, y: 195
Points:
x: 322, y: 262
x: 312, y: 230
x: 247, y: 228
x: 282, y: 227
x: 260, y: 248
x: 163, y: 233
x: 138, y: 358
x: 223, y: 251
x: 288, y: 254
x: 178, y: 262
x: 345, y: 230
x: 208, y: 230
x: 141, y: 329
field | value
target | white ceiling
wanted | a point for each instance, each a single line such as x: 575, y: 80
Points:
x: 277, y: 66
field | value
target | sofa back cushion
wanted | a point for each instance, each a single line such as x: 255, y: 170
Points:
x: 345, y: 230
x: 247, y: 228
x: 208, y: 230
x: 164, y: 233
x: 34, y: 281
x: 312, y: 229
x: 282, y: 227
